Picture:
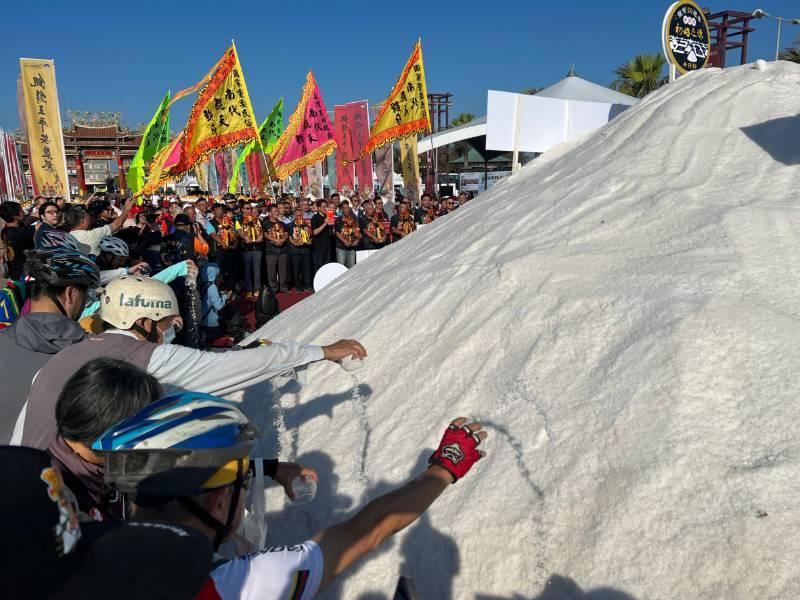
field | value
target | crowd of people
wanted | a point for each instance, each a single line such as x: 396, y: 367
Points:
x: 243, y: 247
x: 119, y: 441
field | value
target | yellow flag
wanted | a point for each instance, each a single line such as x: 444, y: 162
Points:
x: 410, y: 166
x: 222, y: 116
x: 405, y: 112
x: 43, y: 127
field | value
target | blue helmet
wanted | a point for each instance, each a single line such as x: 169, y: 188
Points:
x: 61, y: 267
x: 183, y: 444
x: 53, y: 238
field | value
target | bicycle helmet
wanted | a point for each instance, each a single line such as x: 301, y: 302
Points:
x: 178, y: 447
x: 129, y: 298
x: 53, y: 238
x: 61, y: 267
x: 114, y: 246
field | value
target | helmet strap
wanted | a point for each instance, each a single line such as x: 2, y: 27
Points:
x: 222, y: 529
x: 150, y: 336
x: 58, y: 303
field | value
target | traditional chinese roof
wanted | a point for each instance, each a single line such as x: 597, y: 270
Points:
x: 95, y: 119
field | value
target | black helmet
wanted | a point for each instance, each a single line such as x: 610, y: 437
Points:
x: 62, y: 267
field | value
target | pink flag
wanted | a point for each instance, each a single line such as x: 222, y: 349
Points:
x: 308, y: 137
x: 222, y: 174
x: 345, y: 169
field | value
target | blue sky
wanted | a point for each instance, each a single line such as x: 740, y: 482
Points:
x: 113, y: 56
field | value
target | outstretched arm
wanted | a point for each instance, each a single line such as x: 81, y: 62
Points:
x: 346, y: 542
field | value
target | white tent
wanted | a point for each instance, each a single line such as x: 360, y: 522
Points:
x: 571, y: 88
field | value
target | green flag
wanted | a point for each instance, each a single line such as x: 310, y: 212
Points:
x: 154, y: 138
x: 269, y: 132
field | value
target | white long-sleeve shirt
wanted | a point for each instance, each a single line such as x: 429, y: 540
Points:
x: 175, y: 367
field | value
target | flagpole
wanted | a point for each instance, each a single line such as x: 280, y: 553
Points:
x: 258, y: 141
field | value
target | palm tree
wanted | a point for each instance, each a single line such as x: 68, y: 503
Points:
x: 640, y: 76
x: 462, y: 119
x: 792, y: 53
x: 461, y: 148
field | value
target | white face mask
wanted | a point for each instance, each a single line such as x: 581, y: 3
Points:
x: 169, y: 334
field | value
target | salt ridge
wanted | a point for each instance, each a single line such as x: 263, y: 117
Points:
x: 623, y: 317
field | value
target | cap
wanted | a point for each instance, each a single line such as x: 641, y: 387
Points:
x: 182, y: 220
x: 46, y: 551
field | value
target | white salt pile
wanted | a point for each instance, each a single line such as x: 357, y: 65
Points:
x: 624, y: 317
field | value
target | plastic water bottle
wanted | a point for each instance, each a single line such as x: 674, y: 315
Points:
x: 305, y: 490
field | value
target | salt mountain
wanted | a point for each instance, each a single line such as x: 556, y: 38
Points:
x: 623, y: 315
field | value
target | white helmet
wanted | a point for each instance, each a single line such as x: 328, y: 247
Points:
x: 128, y: 298
x: 115, y: 246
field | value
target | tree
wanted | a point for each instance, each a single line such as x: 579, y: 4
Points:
x: 640, y: 76
x: 463, y: 119
x: 792, y: 53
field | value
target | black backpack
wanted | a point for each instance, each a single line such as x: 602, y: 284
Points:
x: 266, y: 306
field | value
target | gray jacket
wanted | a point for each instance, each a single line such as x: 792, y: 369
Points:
x: 25, y: 347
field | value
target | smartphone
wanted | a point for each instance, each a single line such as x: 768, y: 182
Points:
x: 330, y: 216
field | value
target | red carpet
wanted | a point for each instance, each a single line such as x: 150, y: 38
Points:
x: 247, y: 305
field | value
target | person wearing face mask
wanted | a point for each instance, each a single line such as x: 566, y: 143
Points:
x: 141, y: 317
x: 61, y: 281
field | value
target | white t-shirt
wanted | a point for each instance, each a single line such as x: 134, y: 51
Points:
x: 89, y: 239
x: 273, y: 574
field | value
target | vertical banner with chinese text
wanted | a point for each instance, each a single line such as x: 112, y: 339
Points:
x: 410, y: 162
x: 43, y: 127
x: 345, y: 169
x: 360, y: 136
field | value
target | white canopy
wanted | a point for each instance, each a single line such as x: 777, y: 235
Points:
x: 571, y: 87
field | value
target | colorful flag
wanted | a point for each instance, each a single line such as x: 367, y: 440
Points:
x: 405, y: 112
x: 221, y: 117
x: 314, y: 178
x: 309, y: 136
x: 43, y: 127
x: 384, y: 166
x: 161, y: 167
x: 222, y: 172
x: 201, y: 173
x: 345, y: 167
x: 269, y: 133
x: 410, y: 163
x: 256, y: 169
x: 360, y: 137
x: 154, y: 138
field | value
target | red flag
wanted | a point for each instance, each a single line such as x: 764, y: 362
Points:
x: 360, y: 137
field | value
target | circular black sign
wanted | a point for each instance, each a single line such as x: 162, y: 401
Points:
x: 686, y: 37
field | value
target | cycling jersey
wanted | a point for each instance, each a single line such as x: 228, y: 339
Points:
x: 280, y: 573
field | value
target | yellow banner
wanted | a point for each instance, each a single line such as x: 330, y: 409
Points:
x: 43, y: 123
x: 405, y: 112
x: 222, y: 116
x: 410, y: 164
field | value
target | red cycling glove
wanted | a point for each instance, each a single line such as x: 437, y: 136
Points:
x: 457, y: 452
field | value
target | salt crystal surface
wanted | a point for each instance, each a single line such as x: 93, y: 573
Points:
x: 623, y: 316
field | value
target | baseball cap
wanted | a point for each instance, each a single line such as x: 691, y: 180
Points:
x: 182, y: 219
x: 47, y: 551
